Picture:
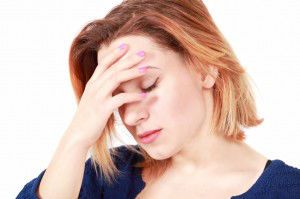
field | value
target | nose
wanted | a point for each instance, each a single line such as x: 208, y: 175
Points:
x: 134, y: 113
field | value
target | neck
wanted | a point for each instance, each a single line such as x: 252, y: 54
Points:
x: 209, y: 151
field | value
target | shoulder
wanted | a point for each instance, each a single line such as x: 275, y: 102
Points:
x: 128, y: 181
x: 124, y: 157
x: 93, y: 185
x: 284, y: 179
x: 285, y: 173
x: 278, y: 180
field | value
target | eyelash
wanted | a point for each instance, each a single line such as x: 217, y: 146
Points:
x: 153, y: 86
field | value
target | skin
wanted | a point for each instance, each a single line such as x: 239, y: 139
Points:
x: 182, y: 104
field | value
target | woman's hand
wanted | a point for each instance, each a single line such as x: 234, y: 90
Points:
x: 97, y: 103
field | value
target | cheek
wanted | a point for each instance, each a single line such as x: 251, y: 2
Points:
x: 182, y: 108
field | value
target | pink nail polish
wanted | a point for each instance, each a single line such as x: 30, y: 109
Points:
x: 122, y: 46
x: 143, y: 95
x: 141, y: 53
x: 143, y: 69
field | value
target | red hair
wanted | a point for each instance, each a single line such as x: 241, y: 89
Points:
x: 185, y: 27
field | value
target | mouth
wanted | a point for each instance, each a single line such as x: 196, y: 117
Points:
x: 147, y: 133
x: 149, y: 136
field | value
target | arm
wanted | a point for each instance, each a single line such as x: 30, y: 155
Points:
x: 64, y: 174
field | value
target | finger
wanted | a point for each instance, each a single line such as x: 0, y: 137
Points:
x: 128, y: 62
x: 127, y: 75
x: 110, y: 73
x: 123, y: 98
x: 108, y: 60
x: 122, y: 76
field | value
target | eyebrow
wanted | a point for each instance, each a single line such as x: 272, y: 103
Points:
x: 148, y: 66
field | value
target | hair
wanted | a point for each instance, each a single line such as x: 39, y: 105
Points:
x: 185, y: 27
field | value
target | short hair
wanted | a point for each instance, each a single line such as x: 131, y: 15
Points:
x: 187, y: 28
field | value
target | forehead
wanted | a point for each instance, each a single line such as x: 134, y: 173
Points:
x: 154, y: 55
x: 135, y: 43
x: 166, y: 61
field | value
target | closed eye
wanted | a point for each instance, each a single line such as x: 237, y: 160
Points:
x: 151, y: 87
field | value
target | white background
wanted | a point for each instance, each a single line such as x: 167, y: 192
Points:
x: 37, y: 101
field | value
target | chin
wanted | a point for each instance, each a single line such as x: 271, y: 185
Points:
x: 157, y: 155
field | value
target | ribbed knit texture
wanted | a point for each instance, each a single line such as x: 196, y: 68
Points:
x: 278, y: 181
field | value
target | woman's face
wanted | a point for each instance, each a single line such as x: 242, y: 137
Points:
x: 176, y: 104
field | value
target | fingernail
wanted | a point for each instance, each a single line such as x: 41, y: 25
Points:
x: 143, y: 95
x: 141, y: 53
x: 143, y: 69
x: 122, y: 46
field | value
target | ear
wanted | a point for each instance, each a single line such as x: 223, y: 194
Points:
x: 210, y: 79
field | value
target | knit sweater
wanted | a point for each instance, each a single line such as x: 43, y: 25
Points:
x: 278, y: 181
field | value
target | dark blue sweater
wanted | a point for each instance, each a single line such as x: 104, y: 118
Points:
x: 278, y: 181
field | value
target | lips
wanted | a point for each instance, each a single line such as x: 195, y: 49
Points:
x: 148, y: 133
x: 149, y: 136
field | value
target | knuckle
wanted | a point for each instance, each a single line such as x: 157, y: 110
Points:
x: 108, y: 106
x: 107, y: 59
x: 132, y: 59
x: 119, y: 97
x: 116, y: 82
x: 103, y: 60
x: 88, y: 85
x: 120, y: 94
x: 103, y: 64
x: 117, y: 79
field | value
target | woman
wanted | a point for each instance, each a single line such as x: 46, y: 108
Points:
x: 188, y: 120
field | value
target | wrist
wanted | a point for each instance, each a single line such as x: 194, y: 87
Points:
x: 72, y: 139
